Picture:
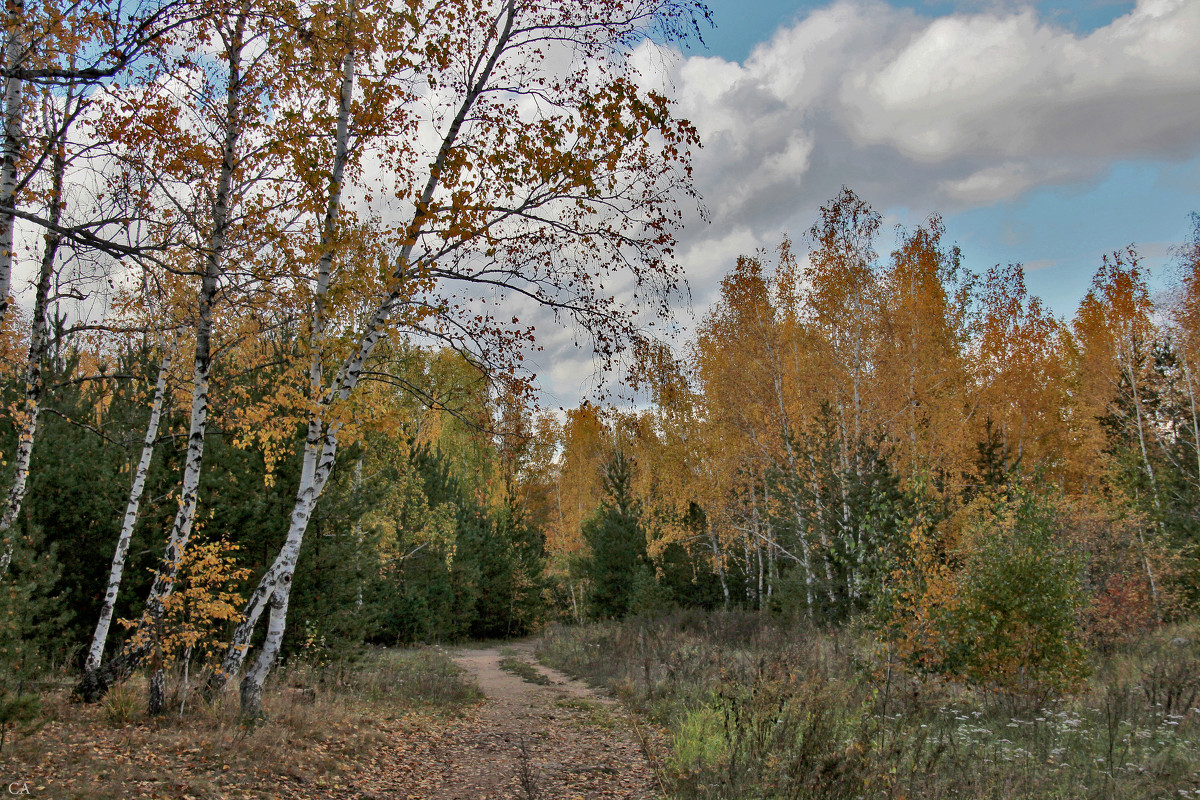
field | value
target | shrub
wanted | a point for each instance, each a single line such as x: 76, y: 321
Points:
x: 1002, y: 608
x: 30, y: 615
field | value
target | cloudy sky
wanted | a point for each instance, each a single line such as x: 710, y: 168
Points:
x: 1045, y: 133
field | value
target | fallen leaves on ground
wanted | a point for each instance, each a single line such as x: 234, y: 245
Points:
x: 554, y: 742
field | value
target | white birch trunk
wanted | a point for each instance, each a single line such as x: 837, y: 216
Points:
x: 772, y: 557
x: 95, y: 682
x: 746, y: 569
x: 759, y: 555
x: 13, y: 140
x: 39, y: 345
x: 719, y: 562
x: 1191, y: 384
x: 239, y: 645
x: 185, y: 516
x: 285, y: 568
x: 307, y: 493
x: 1131, y: 374
x: 348, y: 376
x: 358, y: 539
x: 806, y: 547
x: 96, y: 652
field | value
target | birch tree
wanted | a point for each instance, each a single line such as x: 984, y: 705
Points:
x: 539, y: 188
x: 1185, y: 320
x: 921, y: 369
x: 228, y: 107
x: 76, y: 48
x: 130, y: 518
x: 56, y: 126
x: 845, y: 301
x: 1114, y: 331
x: 1019, y: 366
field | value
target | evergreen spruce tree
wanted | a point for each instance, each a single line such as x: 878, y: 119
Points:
x: 618, y: 561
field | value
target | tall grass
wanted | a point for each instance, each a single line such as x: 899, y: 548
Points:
x: 759, y: 708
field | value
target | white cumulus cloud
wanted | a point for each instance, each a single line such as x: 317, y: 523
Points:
x: 947, y: 113
x: 923, y: 114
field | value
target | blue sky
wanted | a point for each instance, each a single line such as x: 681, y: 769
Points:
x: 741, y: 24
x: 1047, y: 134
x: 1058, y: 229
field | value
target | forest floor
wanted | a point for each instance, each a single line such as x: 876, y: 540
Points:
x: 538, y: 735
x: 423, y: 723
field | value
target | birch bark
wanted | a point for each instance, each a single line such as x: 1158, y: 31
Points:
x: 96, y: 651
x: 719, y: 562
x: 14, y: 54
x: 185, y: 515
x: 39, y: 345
x: 311, y: 483
x: 96, y: 681
x: 350, y: 373
x: 1190, y: 376
x: 1130, y: 370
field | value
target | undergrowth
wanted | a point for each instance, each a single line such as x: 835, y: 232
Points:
x: 756, y: 708
x: 325, y: 722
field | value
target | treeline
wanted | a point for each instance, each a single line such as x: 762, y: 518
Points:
x: 849, y: 437
x: 895, y: 438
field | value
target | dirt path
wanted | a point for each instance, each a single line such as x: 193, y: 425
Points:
x: 533, y: 742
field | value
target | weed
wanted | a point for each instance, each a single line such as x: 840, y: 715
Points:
x: 527, y: 773
x: 524, y: 670
x: 121, y: 704
x: 759, y: 708
x: 592, y: 714
x: 424, y: 677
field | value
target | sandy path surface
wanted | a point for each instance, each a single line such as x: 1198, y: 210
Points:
x: 555, y: 742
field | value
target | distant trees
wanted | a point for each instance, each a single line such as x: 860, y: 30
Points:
x: 855, y: 434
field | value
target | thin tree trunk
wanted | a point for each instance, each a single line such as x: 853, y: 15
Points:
x: 798, y: 519
x: 285, y: 568
x: 307, y: 493
x: 759, y: 554
x: 852, y: 543
x: 358, y: 540
x: 96, y: 652
x: 719, y: 563
x: 252, y: 684
x: 746, y: 568
x: 351, y: 370
x: 1191, y: 383
x: 39, y: 346
x: 274, y: 588
x: 14, y: 54
x: 185, y: 515
x: 1137, y: 407
x: 756, y: 524
x: 825, y: 521
x: 96, y: 682
x: 772, y: 556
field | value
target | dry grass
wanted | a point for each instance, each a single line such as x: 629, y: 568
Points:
x: 755, y: 709
x: 325, y: 726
